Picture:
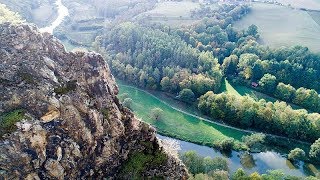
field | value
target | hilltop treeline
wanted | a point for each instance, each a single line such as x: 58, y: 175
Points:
x: 215, y: 32
x: 296, y: 65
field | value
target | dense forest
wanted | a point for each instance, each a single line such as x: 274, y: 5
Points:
x: 295, y: 66
x: 191, y: 61
x: 155, y: 59
x: 174, y: 60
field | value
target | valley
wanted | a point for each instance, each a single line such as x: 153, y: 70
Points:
x: 160, y: 52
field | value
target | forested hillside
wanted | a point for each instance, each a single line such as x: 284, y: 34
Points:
x: 155, y: 59
x: 192, y: 61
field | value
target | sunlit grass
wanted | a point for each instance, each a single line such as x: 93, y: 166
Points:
x: 177, y: 124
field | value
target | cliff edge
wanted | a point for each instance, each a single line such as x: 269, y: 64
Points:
x: 60, y: 117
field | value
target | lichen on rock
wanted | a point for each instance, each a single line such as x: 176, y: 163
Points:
x: 63, y: 117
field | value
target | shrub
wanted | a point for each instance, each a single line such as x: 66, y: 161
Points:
x: 156, y: 113
x: 127, y: 102
x: 186, y: 95
x: 315, y: 150
x: 254, y: 141
x: 225, y: 145
x: 296, y: 154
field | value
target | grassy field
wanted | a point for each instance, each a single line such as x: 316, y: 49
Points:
x: 307, y: 4
x: 243, y: 91
x: 175, y: 123
x: 283, y: 26
x: 227, y: 87
x: 315, y: 16
x: 172, y: 13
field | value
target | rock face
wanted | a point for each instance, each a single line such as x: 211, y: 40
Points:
x: 60, y: 117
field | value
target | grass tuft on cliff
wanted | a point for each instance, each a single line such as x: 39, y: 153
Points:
x: 8, y: 121
x: 66, y: 88
x: 139, y: 162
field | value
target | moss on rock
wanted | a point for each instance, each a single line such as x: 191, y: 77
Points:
x: 27, y: 77
x: 67, y: 87
x: 8, y: 121
x: 140, y: 162
x: 105, y: 112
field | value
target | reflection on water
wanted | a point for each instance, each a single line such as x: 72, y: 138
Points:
x: 247, y: 161
x: 62, y: 13
x: 255, y: 162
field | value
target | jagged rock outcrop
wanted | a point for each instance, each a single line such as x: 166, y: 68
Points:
x: 60, y: 117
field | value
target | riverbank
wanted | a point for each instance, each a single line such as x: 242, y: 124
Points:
x: 192, y: 110
x: 250, y: 163
x: 176, y: 123
x: 188, y: 128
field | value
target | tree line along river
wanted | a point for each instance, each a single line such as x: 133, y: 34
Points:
x: 184, y: 126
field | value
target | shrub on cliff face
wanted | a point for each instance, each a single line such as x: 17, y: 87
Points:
x: 66, y: 87
x: 140, y: 162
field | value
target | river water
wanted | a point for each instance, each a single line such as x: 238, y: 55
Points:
x: 62, y: 13
x: 256, y: 162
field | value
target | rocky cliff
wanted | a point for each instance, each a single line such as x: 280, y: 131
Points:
x: 60, y: 117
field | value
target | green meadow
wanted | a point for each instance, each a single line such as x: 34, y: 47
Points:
x: 283, y: 26
x: 175, y: 123
x: 245, y: 91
